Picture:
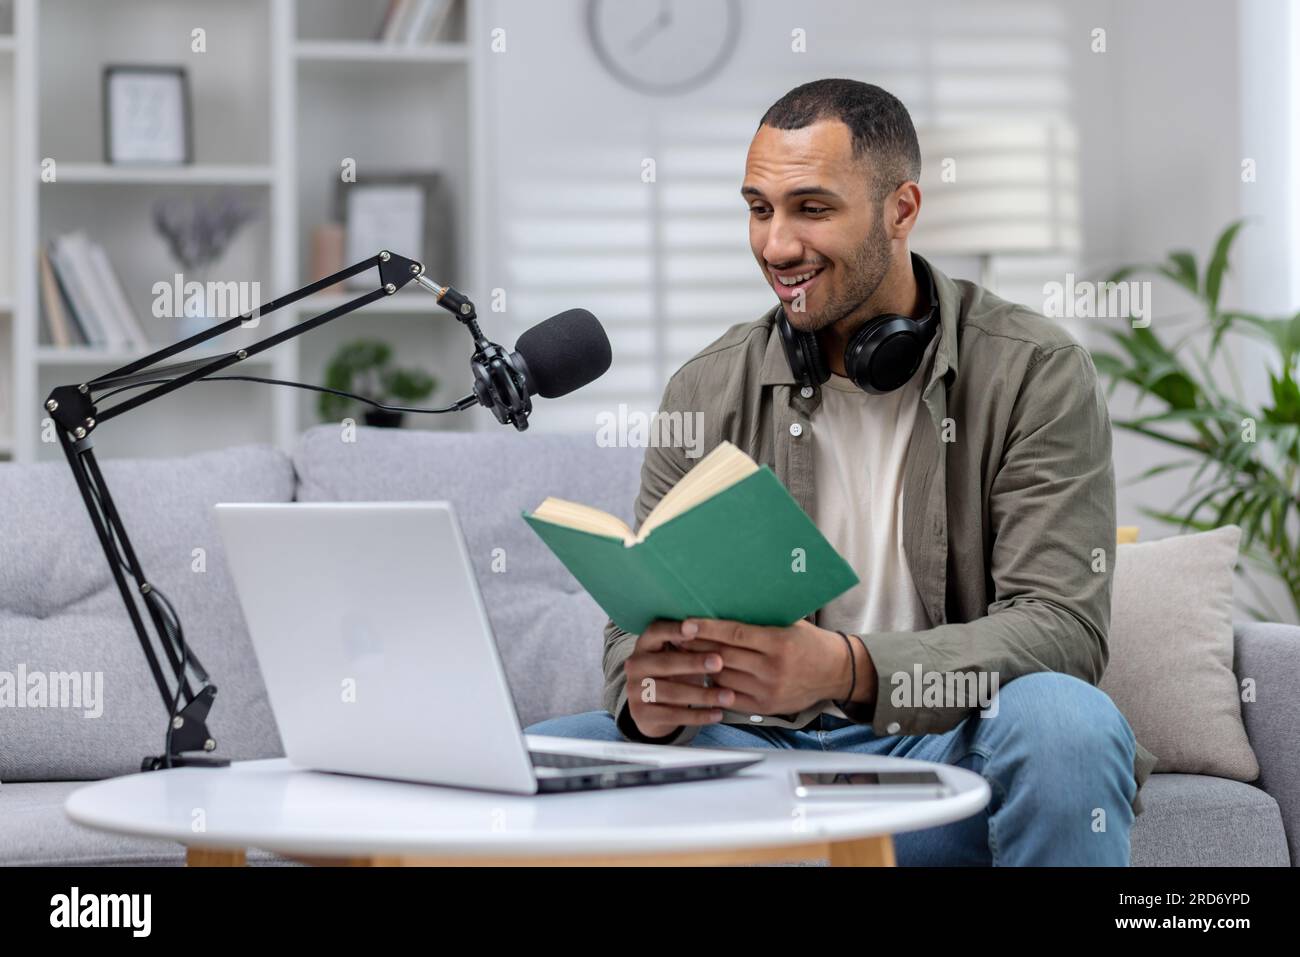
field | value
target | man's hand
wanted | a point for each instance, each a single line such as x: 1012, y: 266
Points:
x: 753, y: 668
x: 665, y: 681
x: 781, y: 670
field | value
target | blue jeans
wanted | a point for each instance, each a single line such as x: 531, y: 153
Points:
x: 1058, y: 757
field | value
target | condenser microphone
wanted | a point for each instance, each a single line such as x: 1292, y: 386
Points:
x: 562, y: 353
x: 553, y: 358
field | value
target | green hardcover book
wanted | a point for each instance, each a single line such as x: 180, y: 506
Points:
x: 728, y: 541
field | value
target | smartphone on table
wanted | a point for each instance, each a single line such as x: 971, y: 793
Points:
x: 856, y: 785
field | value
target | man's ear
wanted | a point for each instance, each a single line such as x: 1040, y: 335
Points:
x: 902, y: 207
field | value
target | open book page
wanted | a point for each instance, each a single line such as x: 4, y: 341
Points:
x: 584, y: 518
x: 720, y: 469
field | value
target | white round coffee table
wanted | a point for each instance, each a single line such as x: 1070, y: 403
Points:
x: 750, y: 817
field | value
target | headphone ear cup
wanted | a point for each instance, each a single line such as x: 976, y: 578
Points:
x: 807, y: 363
x: 885, y: 353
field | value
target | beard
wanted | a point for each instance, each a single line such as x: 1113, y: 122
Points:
x: 864, y: 271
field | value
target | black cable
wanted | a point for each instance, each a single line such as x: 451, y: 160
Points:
x: 173, y: 624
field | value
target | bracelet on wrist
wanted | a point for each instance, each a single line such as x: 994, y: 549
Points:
x: 853, y: 672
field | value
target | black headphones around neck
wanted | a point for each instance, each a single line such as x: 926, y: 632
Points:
x: 881, y: 356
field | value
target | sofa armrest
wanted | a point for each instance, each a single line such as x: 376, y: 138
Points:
x: 1269, y: 654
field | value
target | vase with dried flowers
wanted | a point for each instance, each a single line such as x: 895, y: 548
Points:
x: 199, y: 232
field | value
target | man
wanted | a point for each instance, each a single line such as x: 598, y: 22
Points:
x: 976, y: 501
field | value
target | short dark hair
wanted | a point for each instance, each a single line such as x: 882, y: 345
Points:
x: 881, y: 126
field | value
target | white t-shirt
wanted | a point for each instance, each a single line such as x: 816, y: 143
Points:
x: 860, y: 444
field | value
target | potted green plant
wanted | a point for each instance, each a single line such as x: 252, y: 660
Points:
x: 363, y: 366
x: 1246, y: 456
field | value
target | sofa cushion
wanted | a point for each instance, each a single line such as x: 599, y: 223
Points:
x: 1192, y: 820
x: 61, y: 612
x: 549, y: 629
x: 1171, y: 644
x: 1268, y: 654
x: 34, y: 830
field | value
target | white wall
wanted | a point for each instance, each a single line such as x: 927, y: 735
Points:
x: 1185, y: 92
x: 1269, y: 54
x: 1160, y: 161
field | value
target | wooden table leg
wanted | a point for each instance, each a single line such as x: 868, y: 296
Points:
x: 215, y: 857
x: 867, y: 852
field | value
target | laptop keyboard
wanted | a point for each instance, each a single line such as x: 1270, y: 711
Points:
x: 546, y: 759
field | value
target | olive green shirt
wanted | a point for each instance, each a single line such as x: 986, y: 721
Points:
x: 1009, y: 488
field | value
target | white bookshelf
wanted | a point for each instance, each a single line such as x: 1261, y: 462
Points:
x: 228, y: 174
x: 286, y: 89
x: 369, y: 51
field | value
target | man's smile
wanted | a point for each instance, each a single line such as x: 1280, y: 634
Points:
x: 790, y: 283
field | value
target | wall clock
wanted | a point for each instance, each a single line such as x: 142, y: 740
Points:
x: 665, y: 47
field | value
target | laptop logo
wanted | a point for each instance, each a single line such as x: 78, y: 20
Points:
x: 359, y: 640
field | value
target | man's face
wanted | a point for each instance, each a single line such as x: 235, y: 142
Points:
x: 811, y: 212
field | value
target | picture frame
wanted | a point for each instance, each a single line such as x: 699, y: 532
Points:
x: 395, y: 209
x: 147, y: 115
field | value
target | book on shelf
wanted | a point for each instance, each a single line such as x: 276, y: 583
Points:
x: 111, y: 287
x: 64, y: 331
x: 83, y: 297
x: 727, y: 541
x: 392, y: 17
x: 77, y: 296
x: 413, y: 22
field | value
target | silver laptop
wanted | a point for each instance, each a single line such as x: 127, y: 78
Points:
x: 379, y: 659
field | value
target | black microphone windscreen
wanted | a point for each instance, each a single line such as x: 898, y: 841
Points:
x: 565, y: 352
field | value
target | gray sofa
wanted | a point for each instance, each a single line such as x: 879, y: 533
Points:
x: 60, y: 612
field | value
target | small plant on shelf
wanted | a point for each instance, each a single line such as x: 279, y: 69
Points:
x: 364, y: 366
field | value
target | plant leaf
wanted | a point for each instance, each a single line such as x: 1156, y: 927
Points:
x: 1218, y: 265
